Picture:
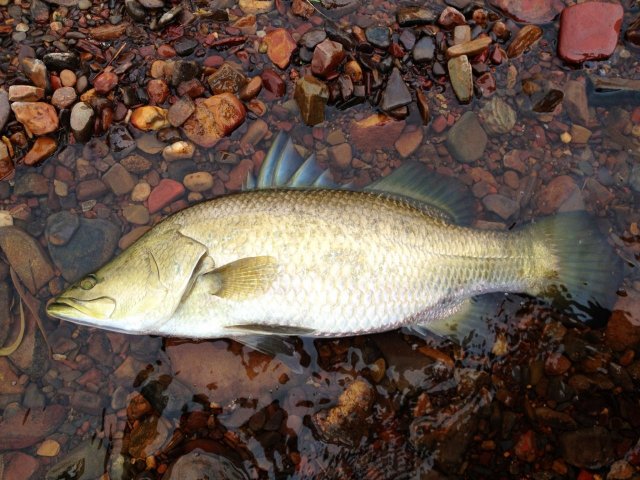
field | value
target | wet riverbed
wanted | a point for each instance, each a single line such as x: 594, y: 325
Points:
x: 114, y: 115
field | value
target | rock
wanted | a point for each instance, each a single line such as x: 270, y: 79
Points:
x: 228, y: 376
x: 178, y: 150
x: 311, y: 95
x: 251, y: 89
x: 256, y: 6
x: 140, y: 192
x: 529, y: 11
x: 25, y: 93
x: 589, y: 31
x: 412, y: 16
x: 60, y: 227
x: 90, y: 247
x: 158, y: 91
x: 497, y: 116
x: 91, y: 189
x: 349, y: 421
x: 502, y: 206
x: 185, y: 46
x: 255, y: 133
x: 105, y: 82
x: 184, y: 71
x: 575, y: 102
x: 378, y: 36
x: 38, y: 117
x: 6, y: 164
x: 121, y: 142
x: 198, y: 181
x: 558, y: 192
x: 467, y: 139
x: 31, y: 184
x: 86, y: 402
x: 525, y: 448
x: 424, y: 50
x: 58, y: 61
x: 471, y: 48
x: 302, y: 9
x: 36, y: 71
x: 9, y: 384
x: 64, y: 97
x: 22, y: 428
x: 82, y: 119
x: 227, y: 79
x: 181, y: 110
x: 590, y: 448
x: 376, y: 131
x: 107, y: 32
x: 198, y: 465
x: 326, y: 57
x: 341, y: 155
x: 42, y: 148
x: 135, y: 10
x: 450, y: 17
x: 526, y: 37
x: 409, y: 142
x: 48, y: 448
x: 164, y: 193
x: 118, y: 179
x: 461, y: 77
x: 85, y: 462
x: 18, y: 465
x: 313, y: 37
x: 273, y: 82
x: 280, y: 47
x: 580, y: 134
x: 149, y: 118
x: 396, y: 94
x: 136, y: 164
x: 621, y: 470
x: 5, y: 108
x: 16, y: 245
x: 214, y: 118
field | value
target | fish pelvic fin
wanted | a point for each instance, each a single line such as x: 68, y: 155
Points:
x: 245, y: 278
x: 580, y: 272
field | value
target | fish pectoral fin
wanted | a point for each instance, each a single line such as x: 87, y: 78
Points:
x: 244, y: 278
x: 264, y: 329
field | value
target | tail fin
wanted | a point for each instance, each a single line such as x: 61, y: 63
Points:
x: 587, y: 270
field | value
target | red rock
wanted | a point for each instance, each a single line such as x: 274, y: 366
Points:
x: 192, y: 88
x: 158, y: 91
x: 589, y: 31
x: 529, y: 11
x: 623, y: 329
x: 21, y: 428
x: 214, y: 118
x: 166, y: 51
x: 326, y: 57
x: 105, y: 82
x: 238, y: 175
x: 19, y: 465
x: 525, y: 448
x: 280, y: 46
x: 38, y: 117
x: 376, y: 131
x: 166, y: 192
x: 450, y: 17
x: 42, y: 148
x: 273, y: 83
x: 439, y: 124
x: 556, y: 364
x: 556, y: 193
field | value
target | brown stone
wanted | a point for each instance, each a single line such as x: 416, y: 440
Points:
x: 22, y: 428
x: 118, y: 179
x: 90, y: 189
x: 149, y: 118
x: 409, y: 142
x: 326, y: 57
x: 17, y: 245
x: 280, y: 47
x: 166, y: 192
x: 376, y: 131
x: 158, y: 91
x: 42, y: 148
x: 108, y: 31
x: 227, y: 79
x: 25, y: 93
x: 251, y: 89
x: 38, y: 117
x: 214, y: 118
x: 105, y: 82
x: 524, y: 39
x: 64, y: 97
x: 556, y: 193
x: 311, y: 95
x: 470, y: 48
x: 180, y: 111
x: 273, y: 82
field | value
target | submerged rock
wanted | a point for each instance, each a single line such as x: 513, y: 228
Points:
x: 467, y: 139
x: 26, y: 257
x: 38, y: 117
x: 21, y: 428
x: 85, y: 462
x: 529, y: 11
x: 214, y: 118
x: 461, y: 77
x: 396, y: 94
x: 198, y: 465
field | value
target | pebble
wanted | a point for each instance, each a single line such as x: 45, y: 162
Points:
x: 556, y: 193
x: 17, y: 245
x: 378, y: 36
x: 450, y: 17
x: 36, y: 71
x: 68, y: 78
x: 467, y: 139
x: 312, y: 37
x: 198, y: 181
x: 136, y: 164
x: 64, y: 97
x: 526, y: 37
x: 581, y: 38
x: 256, y: 6
x: 502, y: 206
x: 341, y: 155
x: 181, y: 110
x: 280, y: 47
x: 119, y: 180
x: 105, y: 82
x: 251, y: 89
x: 396, y: 94
x: 166, y: 192
x: 326, y: 57
x: 409, y: 142
x: 136, y: 214
x: 257, y: 130
x: 498, y: 116
x: 461, y: 77
x: 158, y: 91
x: 48, y: 448
x: 273, y: 82
x: 60, y: 227
x: 214, y: 118
x: 311, y: 96
x: 529, y: 11
x: 575, y: 102
x: 178, y: 150
x: 31, y: 184
x: 227, y: 79
x: 42, y: 148
x: 424, y: 50
x: 121, y: 142
x: 470, y: 48
x: 149, y: 118
x: 25, y: 93
x: 412, y: 16
x: 38, y: 117
x: 82, y: 118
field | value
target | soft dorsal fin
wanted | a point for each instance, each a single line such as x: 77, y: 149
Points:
x: 284, y: 167
x: 244, y: 278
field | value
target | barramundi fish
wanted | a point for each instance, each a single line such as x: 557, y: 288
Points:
x: 296, y: 255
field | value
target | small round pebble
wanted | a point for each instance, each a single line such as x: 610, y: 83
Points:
x: 5, y: 218
x: 198, y: 181
x: 141, y: 192
x: 49, y: 448
x: 67, y: 78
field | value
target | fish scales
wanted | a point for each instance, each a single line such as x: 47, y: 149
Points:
x: 348, y: 262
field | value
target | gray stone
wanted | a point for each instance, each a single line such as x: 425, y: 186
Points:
x: 87, y: 402
x: 396, y: 94
x: 60, y: 227
x: 31, y: 184
x: 90, y: 247
x: 576, y: 103
x: 33, y: 398
x: 467, y: 139
x: 424, y: 50
x: 121, y: 141
x: 82, y: 116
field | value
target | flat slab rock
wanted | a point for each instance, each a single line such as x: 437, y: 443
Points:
x: 589, y: 31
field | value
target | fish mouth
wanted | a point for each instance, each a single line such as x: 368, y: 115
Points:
x: 86, y: 312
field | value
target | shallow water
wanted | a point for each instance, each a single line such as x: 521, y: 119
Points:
x: 534, y: 395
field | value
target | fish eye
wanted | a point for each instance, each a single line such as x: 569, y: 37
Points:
x: 88, y: 282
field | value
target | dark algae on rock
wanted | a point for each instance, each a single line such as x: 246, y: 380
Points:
x: 115, y: 114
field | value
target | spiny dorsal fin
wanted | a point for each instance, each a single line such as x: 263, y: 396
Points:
x: 440, y: 196
x: 244, y: 278
x: 446, y: 195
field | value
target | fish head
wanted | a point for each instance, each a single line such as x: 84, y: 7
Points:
x: 137, y: 291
